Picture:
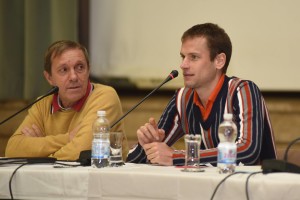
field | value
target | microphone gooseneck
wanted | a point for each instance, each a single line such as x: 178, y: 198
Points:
x: 171, y: 76
x: 51, y: 91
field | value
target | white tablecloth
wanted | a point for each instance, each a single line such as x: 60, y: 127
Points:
x: 139, y: 181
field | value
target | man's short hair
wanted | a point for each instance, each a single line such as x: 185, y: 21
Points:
x: 217, y: 40
x: 57, y: 48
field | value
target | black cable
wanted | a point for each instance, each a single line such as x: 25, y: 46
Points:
x: 285, y: 158
x: 11, y: 177
x: 30, y: 161
x: 13, y: 162
x: 216, y: 189
x: 23, y: 161
x: 247, y: 182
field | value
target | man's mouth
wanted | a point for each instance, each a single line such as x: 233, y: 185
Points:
x: 187, y: 74
x: 73, y: 87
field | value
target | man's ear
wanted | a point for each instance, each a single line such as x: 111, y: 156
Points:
x: 48, y: 77
x: 220, y: 60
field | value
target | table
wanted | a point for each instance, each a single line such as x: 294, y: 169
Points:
x: 145, y: 182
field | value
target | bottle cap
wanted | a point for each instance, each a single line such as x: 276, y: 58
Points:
x: 228, y: 116
x: 101, y: 113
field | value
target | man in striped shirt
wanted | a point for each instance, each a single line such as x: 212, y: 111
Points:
x: 198, y: 108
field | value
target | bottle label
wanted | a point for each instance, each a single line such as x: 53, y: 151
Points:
x: 100, y: 149
x: 227, y: 154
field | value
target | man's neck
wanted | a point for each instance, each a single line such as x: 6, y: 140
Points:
x: 204, y: 92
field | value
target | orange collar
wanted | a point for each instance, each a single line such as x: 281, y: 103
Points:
x: 205, y: 111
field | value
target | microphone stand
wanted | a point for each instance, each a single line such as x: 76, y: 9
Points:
x: 52, y: 91
x: 173, y: 74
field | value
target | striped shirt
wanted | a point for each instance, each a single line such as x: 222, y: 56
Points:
x: 242, y: 98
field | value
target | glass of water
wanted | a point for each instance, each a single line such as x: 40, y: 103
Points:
x: 116, y: 140
x: 192, y: 153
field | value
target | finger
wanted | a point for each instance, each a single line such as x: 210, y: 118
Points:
x: 148, y: 132
x: 76, y: 129
x: 151, y: 157
x: 141, y: 137
x: 32, y: 132
x: 36, y: 130
x: 154, y: 158
x: 28, y: 132
x: 153, y: 123
x: 148, y: 147
x: 161, y: 133
x: 151, y: 149
x: 154, y: 128
x: 25, y: 131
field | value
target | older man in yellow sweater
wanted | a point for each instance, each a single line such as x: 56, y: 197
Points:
x: 60, y: 125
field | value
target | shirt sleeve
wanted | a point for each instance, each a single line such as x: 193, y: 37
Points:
x: 169, y: 122
x: 20, y: 145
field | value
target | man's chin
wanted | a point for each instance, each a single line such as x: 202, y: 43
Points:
x: 188, y: 85
x: 74, y: 97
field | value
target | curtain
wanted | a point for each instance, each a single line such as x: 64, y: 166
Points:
x: 27, y: 28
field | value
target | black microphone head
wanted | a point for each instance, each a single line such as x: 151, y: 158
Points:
x: 53, y: 90
x: 174, y: 74
x: 171, y: 76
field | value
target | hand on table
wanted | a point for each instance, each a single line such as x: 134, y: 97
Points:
x: 159, y: 153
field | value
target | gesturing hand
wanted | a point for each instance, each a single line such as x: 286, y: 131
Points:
x: 150, y: 133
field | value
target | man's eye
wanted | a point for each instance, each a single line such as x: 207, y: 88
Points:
x: 63, y: 70
x: 194, y: 57
x: 80, y: 68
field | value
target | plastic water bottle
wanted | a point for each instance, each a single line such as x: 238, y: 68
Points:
x: 101, y: 144
x: 227, y: 147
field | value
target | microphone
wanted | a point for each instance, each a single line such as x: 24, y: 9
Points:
x: 281, y: 165
x: 51, y: 91
x: 85, y: 156
x: 171, y: 76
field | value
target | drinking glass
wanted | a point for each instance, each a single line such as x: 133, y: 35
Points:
x: 116, y: 139
x: 192, y: 153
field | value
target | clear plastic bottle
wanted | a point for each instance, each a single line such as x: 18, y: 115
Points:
x: 227, y: 147
x: 101, y: 144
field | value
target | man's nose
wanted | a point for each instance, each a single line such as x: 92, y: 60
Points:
x: 73, y: 75
x: 184, y: 63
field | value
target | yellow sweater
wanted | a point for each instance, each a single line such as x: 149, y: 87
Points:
x: 56, y: 127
